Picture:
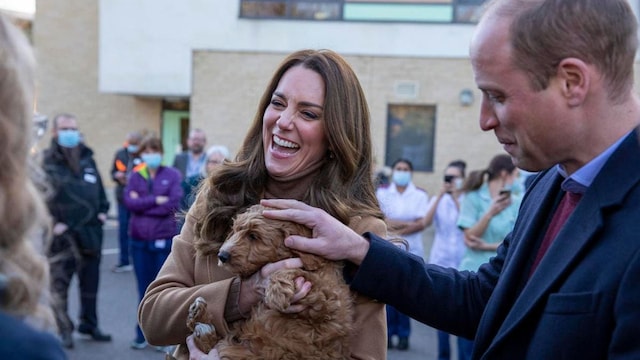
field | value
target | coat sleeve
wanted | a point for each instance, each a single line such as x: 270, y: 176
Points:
x: 103, y: 206
x: 56, y: 212
x: 624, y: 341
x: 443, y: 298
x: 175, y: 196
x: 114, y: 166
x: 144, y: 201
x: 369, y: 317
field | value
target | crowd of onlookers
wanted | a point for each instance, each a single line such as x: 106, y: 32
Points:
x: 553, y: 273
x: 471, y: 215
x: 151, y: 196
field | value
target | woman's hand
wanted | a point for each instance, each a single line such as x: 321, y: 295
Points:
x: 476, y: 243
x: 161, y: 199
x: 252, y: 289
x: 331, y: 239
x: 500, y: 203
x: 197, y: 354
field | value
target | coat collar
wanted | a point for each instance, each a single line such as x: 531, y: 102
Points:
x: 607, y: 191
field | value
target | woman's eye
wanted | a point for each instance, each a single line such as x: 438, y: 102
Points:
x: 277, y: 103
x: 309, y: 115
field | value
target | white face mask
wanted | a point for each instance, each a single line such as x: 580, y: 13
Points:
x: 458, y: 182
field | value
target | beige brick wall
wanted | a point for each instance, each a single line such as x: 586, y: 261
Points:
x: 66, y: 40
x: 227, y: 87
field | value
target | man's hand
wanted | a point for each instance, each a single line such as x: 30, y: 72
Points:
x: 331, y: 239
x: 120, y: 177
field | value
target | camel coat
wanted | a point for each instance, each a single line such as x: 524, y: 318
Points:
x: 184, y: 276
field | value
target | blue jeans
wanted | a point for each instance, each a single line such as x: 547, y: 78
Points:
x: 148, y: 258
x: 465, y: 348
x: 123, y: 233
x: 397, y: 323
x: 444, y: 350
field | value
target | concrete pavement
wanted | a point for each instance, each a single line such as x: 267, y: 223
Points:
x: 117, y: 303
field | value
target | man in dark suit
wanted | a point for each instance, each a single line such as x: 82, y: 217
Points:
x: 190, y: 162
x: 557, y: 84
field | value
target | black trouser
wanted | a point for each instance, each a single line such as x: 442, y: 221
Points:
x: 67, y: 258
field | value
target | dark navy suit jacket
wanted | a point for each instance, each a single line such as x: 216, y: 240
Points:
x: 582, y: 302
x: 180, y: 162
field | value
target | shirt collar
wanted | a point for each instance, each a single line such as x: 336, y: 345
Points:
x: 580, y: 180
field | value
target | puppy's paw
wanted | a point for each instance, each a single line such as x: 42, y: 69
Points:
x: 280, y: 290
x: 205, y: 337
x: 197, y: 312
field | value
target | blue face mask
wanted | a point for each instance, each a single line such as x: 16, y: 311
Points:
x: 132, y: 149
x: 68, y: 138
x: 401, y: 178
x: 153, y: 160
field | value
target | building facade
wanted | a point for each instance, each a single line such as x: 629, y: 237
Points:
x: 167, y: 66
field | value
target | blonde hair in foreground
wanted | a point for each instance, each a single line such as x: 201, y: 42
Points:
x: 24, y: 273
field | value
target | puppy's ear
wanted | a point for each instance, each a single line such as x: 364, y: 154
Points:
x: 309, y: 261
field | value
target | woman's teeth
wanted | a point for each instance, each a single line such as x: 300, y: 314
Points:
x: 284, y: 143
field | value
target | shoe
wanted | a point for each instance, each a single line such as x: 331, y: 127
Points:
x: 67, y: 340
x: 95, y: 333
x: 164, y: 349
x: 138, y: 345
x: 403, y: 343
x: 122, y: 268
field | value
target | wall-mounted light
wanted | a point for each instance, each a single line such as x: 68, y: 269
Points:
x: 466, y: 97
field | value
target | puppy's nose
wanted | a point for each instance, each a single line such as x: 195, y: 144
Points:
x: 224, y: 256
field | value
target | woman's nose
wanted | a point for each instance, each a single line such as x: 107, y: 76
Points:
x: 286, y: 120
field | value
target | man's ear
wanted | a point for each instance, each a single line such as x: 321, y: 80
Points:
x: 575, y: 77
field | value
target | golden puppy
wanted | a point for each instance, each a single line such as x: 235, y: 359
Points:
x: 321, y: 331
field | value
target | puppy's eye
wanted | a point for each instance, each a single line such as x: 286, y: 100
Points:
x: 253, y: 237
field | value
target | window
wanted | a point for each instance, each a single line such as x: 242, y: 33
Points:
x: 430, y: 11
x: 410, y: 135
x: 291, y: 9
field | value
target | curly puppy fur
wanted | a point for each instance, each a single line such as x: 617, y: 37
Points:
x: 322, y: 331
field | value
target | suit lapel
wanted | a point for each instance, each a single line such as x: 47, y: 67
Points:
x: 534, y: 214
x: 607, y: 191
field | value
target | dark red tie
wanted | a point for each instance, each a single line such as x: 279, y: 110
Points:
x: 564, y: 209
